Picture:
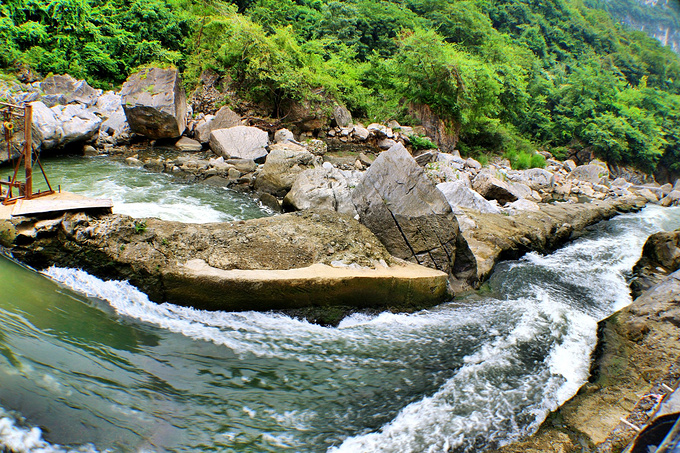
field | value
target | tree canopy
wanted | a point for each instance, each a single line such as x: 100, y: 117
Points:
x: 559, y: 73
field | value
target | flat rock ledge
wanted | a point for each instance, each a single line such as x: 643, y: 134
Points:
x: 291, y: 261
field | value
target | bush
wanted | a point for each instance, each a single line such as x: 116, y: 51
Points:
x: 522, y: 160
x: 421, y: 142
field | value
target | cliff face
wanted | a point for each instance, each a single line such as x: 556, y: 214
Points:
x: 658, y: 18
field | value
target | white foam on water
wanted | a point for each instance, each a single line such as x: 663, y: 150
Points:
x: 268, y: 334
x: 20, y: 439
x: 475, y: 403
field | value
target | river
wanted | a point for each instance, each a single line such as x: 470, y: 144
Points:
x: 92, y: 365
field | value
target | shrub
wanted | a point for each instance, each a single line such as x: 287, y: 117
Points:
x: 421, y: 142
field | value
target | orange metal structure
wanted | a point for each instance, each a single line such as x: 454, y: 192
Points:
x: 13, y: 189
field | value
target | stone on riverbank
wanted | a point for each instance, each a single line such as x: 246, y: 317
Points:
x: 223, y: 119
x: 240, y: 142
x: 155, y: 103
x: 401, y: 206
x: 323, y: 188
x: 282, y: 167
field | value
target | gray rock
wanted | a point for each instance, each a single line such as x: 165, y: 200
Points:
x: 342, y: 116
x: 316, y: 147
x: 240, y: 142
x: 62, y: 125
x: 493, y: 188
x: 472, y: 163
x: 569, y: 165
x: 155, y: 103
x: 69, y: 90
x: 672, y: 199
x: 522, y: 205
x: 283, y: 136
x: 676, y: 186
x: 108, y: 104
x: 590, y: 173
x: 115, y: 129
x: 621, y: 182
x: 282, y: 167
x: 427, y: 157
x: 223, y: 119
x: 386, y: 143
x: 361, y: 133
x: 460, y: 195
x: 243, y: 165
x: 666, y: 189
x: 413, y: 219
x: 322, y: 188
x: 187, y: 144
x: 538, y: 179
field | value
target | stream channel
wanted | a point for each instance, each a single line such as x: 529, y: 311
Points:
x: 92, y: 365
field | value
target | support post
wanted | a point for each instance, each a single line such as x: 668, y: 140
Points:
x: 28, y: 150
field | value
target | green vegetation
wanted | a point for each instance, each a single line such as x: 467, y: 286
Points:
x: 522, y: 160
x: 421, y: 142
x: 505, y: 77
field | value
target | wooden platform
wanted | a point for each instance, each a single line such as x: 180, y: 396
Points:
x: 59, y: 202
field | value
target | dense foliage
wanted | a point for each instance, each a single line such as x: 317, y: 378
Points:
x: 507, y: 75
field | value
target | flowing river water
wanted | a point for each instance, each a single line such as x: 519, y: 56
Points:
x: 92, y: 365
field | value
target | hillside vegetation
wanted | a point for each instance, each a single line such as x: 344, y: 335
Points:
x: 505, y: 75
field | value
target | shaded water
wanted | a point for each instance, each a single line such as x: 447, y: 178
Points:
x: 97, y: 366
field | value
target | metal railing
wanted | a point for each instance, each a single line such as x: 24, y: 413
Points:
x: 17, y: 120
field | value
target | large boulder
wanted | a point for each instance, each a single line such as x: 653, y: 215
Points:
x: 460, y: 195
x: 283, y: 165
x: 341, y: 116
x: 492, y: 188
x: 60, y: 125
x: 223, y: 119
x: 590, y: 173
x: 240, y: 142
x: 64, y: 89
x: 398, y: 202
x: 155, y: 103
x: 324, y: 188
x: 660, y: 257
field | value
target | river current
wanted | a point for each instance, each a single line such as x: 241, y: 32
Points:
x: 92, y: 365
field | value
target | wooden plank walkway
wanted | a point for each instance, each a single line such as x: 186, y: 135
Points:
x: 59, y: 203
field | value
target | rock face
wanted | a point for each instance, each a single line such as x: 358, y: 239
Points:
x: 412, y: 218
x: 282, y: 262
x: 660, y: 257
x: 240, y: 142
x: 66, y: 90
x: 155, y: 103
x: 323, y: 188
x: 223, y: 119
x: 283, y: 165
x: 61, y: 125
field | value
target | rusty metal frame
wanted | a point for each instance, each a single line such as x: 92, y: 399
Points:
x: 25, y: 188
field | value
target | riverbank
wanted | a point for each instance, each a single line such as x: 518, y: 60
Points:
x: 635, y: 365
